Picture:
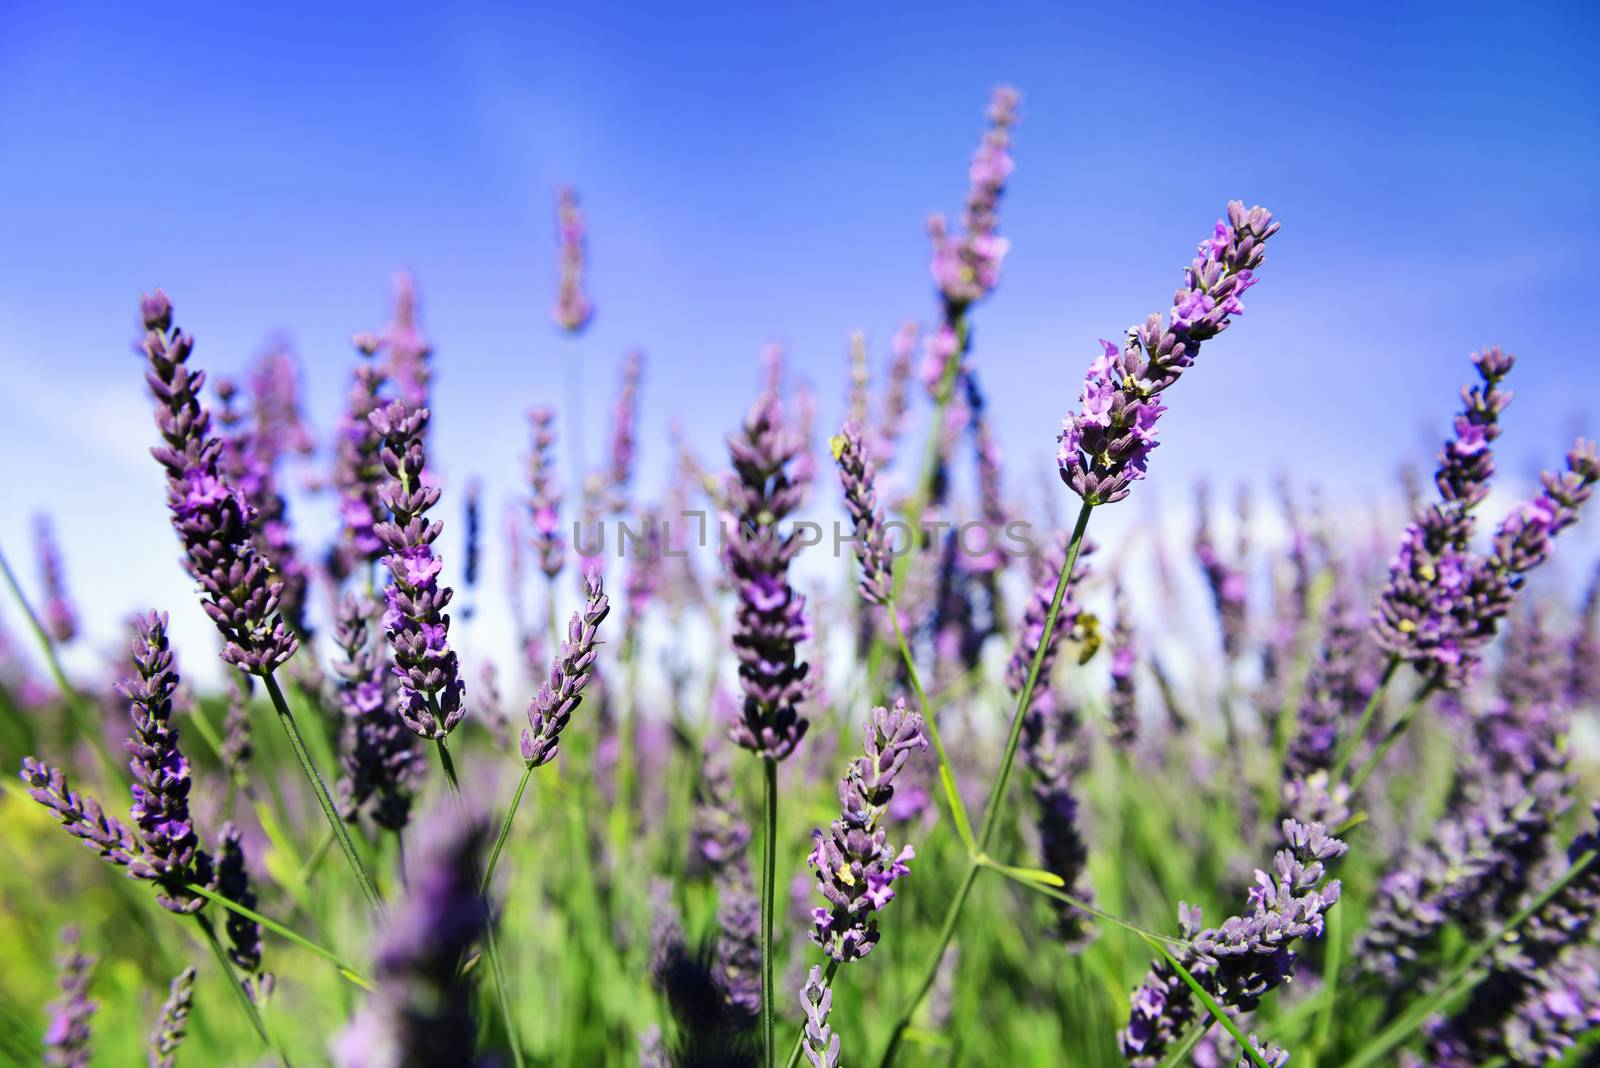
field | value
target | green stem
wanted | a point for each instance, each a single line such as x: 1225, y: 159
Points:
x: 496, y: 973
x: 245, y: 1001
x: 283, y: 932
x: 1210, y: 1004
x: 81, y: 719
x: 1367, y: 713
x: 769, y: 871
x: 997, y: 791
x: 505, y: 827
x: 1022, y: 876
x: 1457, y: 981
x: 947, y: 775
x: 340, y: 832
x: 1393, y: 735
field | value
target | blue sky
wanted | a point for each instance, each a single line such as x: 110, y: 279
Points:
x: 762, y: 172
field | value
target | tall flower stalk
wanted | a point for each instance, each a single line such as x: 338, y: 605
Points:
x: 238, y: 588
x: 769, y: 623
x: 1103, y: 450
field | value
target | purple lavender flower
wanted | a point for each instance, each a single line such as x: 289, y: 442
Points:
x: 415, y: 622
x: 816, y: 1000
x: 1583, y: 685
x: 737, y: 969
x: 544, y: 494
x: 1124, y: 704
x: 855, y: 866
x: 66, y: 1041
x: 1273, y: 1054
x: 406, y: 349
x: 967, y: 268
x: 896, y: 394
x: 358, y: 466
x: 561, y: 694
x: 858, y: 401
x: 60, y: 620
x: 1336, y: 689
x: 624, y: 432
x: 573, y: 309
x: 381, y: 760
x: 1542, y: 991
x: 1030, y: 633
x: 859, y: 478
x: 469, y: 571
x: 238, y: 741
x: 1418, y: 614
x: 84, y: 819
x: 1105, y: 447
x: 172, y: 1025
x: 1052, y: 751
x: 421, y: 1013
x: 244, y: 935
x: 770, y: 619
x: 718, y: 834
x: 213, y: 519
x: 161, y: 782
x: 1248, y: 956
x: 1226, y: 580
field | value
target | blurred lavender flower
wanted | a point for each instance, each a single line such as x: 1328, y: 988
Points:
x: 1583, y: 685
x: 1050, y: 749
x: 858, y: 401
x: 896, y: 394
x: 859, y: 478
x: 770, y: 619
x: 560, y: 695
x: 421, y: 1016
x: 381, y: 760
x: 1106, y: 446
x: 573, y: 309
x: 816, y: 1000
x: 544, y: 494
x: 624, y: 432
x: 406, y: 349
x: 1336, y: 689
x: 60, y: 620
x: 991, y: 499
x: 244, y: 935
x: 967, y: 268
x: 469, y: 572
x: 1248, y: 956
x: 172, y: 1025
x: 1030, y: 632
x: 718, y: 833
x: 854, y: 863
x: 358, y: 466
x: 415, y: 622
x: 172, y: 855
x: 1542, y: 991
x: 238, y: 588
x: 238, y: 742
x: 66, y: 1040
x: 1124, y: 704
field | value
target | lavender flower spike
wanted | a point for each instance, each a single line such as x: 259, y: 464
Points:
x: 1273, y: 1054
x: 1248, y: 956
x: 573, y: 309
x: 358, y: 467
x: 1124, y: 703
x: 237, y: 586
x: 624, y: 430
x: 821, y: 1044
x: 172, y: 855
x: 66, y: 1042
x: 60, y: 621
x: 83, y: 817
x: 172, y: 1026
x: 380, y: 758
x: 770, y: 620
x: 421, y: 1012
x: 544, y: 494
x: 854, y: 863
x: 1106, y: 445
x: 859, y: 478
x: 561, y: 694
x: 418, y: 629
x: 244, y: 935
x: 967, y: 269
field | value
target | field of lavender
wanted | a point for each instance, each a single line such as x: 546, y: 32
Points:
x: 837, y: 748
